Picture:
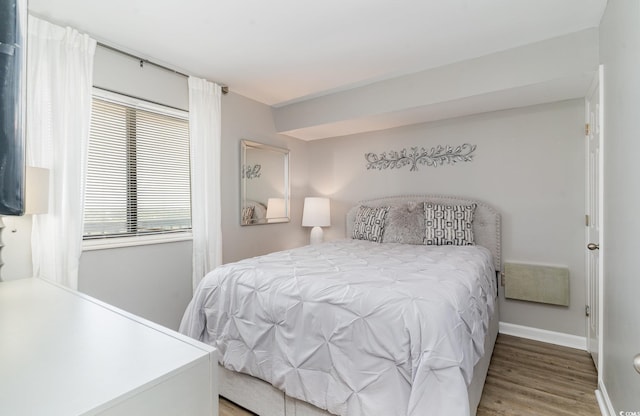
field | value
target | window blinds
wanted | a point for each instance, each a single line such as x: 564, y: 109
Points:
x: 138, y: 176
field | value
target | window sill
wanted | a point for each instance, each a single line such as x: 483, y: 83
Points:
x: 108, y: 243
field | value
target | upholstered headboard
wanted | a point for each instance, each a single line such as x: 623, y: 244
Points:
x: 260, y: 211
x: 486, y: 220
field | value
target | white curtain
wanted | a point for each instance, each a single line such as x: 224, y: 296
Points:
x: 205, y: 135
x: 59, y: 82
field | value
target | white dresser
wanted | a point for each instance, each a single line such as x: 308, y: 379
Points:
x: 65, y: 353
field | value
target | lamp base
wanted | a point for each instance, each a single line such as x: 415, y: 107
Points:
x: 316, y: 236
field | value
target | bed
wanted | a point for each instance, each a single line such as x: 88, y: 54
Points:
x: 356, y: 327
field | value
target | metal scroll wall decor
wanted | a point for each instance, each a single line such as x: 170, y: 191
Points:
x: 436, y: 156
x: 251, y: 171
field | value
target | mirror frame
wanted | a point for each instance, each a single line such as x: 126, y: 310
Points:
x: 245, y: 175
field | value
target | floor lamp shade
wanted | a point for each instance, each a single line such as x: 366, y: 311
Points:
x: 316, y: 214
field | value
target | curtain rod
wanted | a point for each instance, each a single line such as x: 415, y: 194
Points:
x: 224, y: 88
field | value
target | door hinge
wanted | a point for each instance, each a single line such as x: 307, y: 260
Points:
x: 587, y: 310
x: 586, y: 220
x: 586, y: 129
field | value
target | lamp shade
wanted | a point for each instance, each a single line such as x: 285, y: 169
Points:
x: 316, y: 213
x: 276, y: 208
x: 37, y: 191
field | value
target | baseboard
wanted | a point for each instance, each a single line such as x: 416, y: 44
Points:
x: 558, y: 338
x: 603, y: 401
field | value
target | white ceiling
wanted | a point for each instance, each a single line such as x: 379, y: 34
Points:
x: 282, y: 51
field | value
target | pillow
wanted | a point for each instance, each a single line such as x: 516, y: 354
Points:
x: 448, y: 224
x: 404, y: 224
x: 259, y: 211
x: 369, y: 223
x: 247, y: 214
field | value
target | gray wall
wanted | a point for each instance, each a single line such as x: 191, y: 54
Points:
x: 243, y: 118
x: 620, y: 55
x: 154, y: 281
x: 529, y: 164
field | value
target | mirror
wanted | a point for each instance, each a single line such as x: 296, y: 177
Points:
x: 264, y: 184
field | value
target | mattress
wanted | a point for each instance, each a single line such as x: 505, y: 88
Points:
x: 353, y: 327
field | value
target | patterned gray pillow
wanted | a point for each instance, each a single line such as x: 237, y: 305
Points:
x: 369, y: 223
x: 448, y: 224
x: 404, y: 224
x: 247, y: 214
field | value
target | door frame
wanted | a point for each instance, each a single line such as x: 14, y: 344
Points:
x: 598, y: 82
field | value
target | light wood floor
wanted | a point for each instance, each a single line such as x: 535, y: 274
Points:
x: 537, y: 379
x: 526, y: 378
x: 229, y: 409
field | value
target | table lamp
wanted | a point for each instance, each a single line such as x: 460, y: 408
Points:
x: 316, y: 214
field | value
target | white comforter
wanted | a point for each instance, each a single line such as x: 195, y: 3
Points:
x: 354, y: 327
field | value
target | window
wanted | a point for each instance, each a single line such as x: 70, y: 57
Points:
x: 138, y: 175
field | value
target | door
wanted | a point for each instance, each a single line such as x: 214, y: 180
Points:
x: 593, y: 133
